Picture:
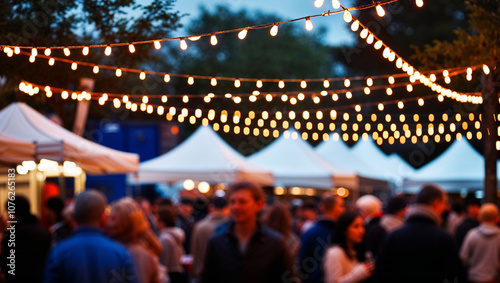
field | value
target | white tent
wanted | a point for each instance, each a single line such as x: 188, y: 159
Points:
x: 204, y: 156
x: 459, y: 168
x: 392, y: 167
x: 27, y: 135
x: 293, y: 162
x: 339, y: 154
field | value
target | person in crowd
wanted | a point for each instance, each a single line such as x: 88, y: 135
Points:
x: 470, y: 221
x: 309, y: 215
x: 316, y: 240
x: 60, y: 229
x: 278, y: 218
x: 128, y: 225
x: 172, y: 239
x: 88, y: 256
x: 244, y: 250
x: 25, y: 244
x: 297, y: 219
x: 342, y: 261
x: 370, y: 208
x: 186, y: 221
x: 393, y: 218
x: 204, y: 229
x: 455, y: 217
x: 420, y: 251
x: 480, y: 251
x: 148, y: 212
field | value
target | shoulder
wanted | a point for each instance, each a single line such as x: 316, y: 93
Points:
x: 335, y: 252
x: 271, y: 234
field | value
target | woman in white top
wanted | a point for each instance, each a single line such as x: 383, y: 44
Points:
x: 342, y: 264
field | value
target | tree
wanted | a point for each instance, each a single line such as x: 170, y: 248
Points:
x: 65, y: 23
x: 479, y: 45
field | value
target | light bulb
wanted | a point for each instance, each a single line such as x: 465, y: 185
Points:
x: 190, y: 80
x: 380, y: 11
x: 47, y: 52
x: 107, y: 51
x: 131, y: 48
x: 242, y: 34
x: 166, y: 78
x: 118, y: 72
x: 274, y: 30
x: 17, y: 50
x: 347, y: 82
x: 74, y: 66
x: 66, y: 52
x: 309, y: 24
x: 259, y: 83
x: 335, y: 4
x: 446, y: 73
x: 355, y: 25
x: 347, y: 16
x: 369, y: 82
x: 486, y: 69
x: 237, y: 83
x: 157, y: 44
x: 51, y: 61
x: 213, y: 39
x: 419, y: 3
x: 370, y: 39
x: 281, y: 84
x: 194, y: 38
x: 363, y: 33
x: 34, y: 52
x: 142, y: 76
x: 183, y: 44
x: 318, y: 3
x: 213, y: 81
x: 378, y: 44
x: 326, y: 84
x: 32, y: 59
x: 303, y: 84
x: 85, y: 51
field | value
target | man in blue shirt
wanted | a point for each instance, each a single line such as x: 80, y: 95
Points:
x: 89, y: 256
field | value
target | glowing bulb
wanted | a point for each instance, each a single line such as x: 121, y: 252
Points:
x: 190, y: 81
x: 183, y: 44
x: 213, y: 81
x: 378, y: 44
x: 47, y: 52
x: 486, y: 69
x: 237, y: 83
x: 303, y: 84
x: 347, y: 82
x: 420, y: 102
x: 370, y: 39
x: 369, y: 82
x: 355, y: 25
x: 380, y: 107
x: 74, y: 66
x: 242, y: 34
x: 281, y: 84
x: 446, y: 73
x: 185, y: 99
x: 391, y: 80
x: 34, y: 52
x: 213, y: 39
x: 419, y: 3
x: 309, y: 24
x: 157, y: 45
x: 118, y: 72
x: 51, y: 61
x: 326, y: 84
x: 363, y: 33
x: 389, y: 91
x: 380, y: 11
x: 32, y: 59
x: 259, y: 83
x: 142, y: 76
x: 166, y: 78
x: 335, y: 4
x: 17, y: 50
x: 107, y: 51
x: 401, y: 105
x: 274, y: 30
x: 318, y: 3
x: 66, y: 51
x: 85, y: 51
x: 131, y: 48
x: 347, y: 16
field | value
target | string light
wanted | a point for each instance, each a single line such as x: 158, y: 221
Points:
x: 66, y: 52
x: 166, y: 78
x: 347, y: 16
x: 355, y: 25
x: 213, y: 39
x: 131, y: 48
x: 380, y: 11
x: 274, y: 30
x: 47, y: 52
x: 183, y: 45
x: 318, y: 3
x: 419, y: 3
x: 242, y: 34
x: 486, y: 69
x: 85, y: 51
x: 107, y: 51
x: 335, y: 4
x: 51, y: 62
x: 309, y: 25
x: 157, y: 45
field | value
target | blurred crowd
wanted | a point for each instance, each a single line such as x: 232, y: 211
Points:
x: 244, y: 237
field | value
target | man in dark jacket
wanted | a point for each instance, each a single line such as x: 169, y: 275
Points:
x: 420, y: 251
x: 316, y: 240
x: 244, y: 250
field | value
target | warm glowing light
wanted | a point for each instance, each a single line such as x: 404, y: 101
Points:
x: 190, y: 81
x: 166, y: 78
x: 486, y: 69
x: 363, y: 33
x: 347, y: 83
x: 142, y: 76
x: 66, y: 52
x: 51, y: 61
x: 74, y: 66
x: 378, y: 45
x: 183, y: 45
x: 213, y: 81
x: 258, y: 84
x: 419, y: 3
x: 118, y: 72
x: 107, y: 51
x: 389, y: 91
x: 355, y: 25
x: 335, y: 4
x: 157, y: 45
x: 303, y: 84
x: 380, y: 11
x: 274, y: 30
x: 309, y: 24
x: 46, y: 52
x: 242, y: 34
x: 391, y: 80
x: 237, y: 83
x: 347, y: 16
x: 326, y: 84
x: 213, y: 39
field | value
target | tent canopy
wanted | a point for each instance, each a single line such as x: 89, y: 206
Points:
x: 204, y: 156
x: 459, y: 167
x: 27, y: 135
x: 293, y: 162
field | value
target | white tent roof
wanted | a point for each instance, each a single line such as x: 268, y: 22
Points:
x: 459, y: 167
x: 204, y: 156
x: 392, y: 166
x: 339, y: 154
x: 28, y: 135
x: 293, y: 162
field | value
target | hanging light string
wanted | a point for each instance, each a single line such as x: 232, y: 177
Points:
x: 157, y: 42
x: 450, y: 72
x: 401, y: 63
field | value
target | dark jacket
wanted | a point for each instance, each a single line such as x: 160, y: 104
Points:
x: 419, y: 252
x: 266, y: 259
x: 463, y: 228
x: 313, y: 247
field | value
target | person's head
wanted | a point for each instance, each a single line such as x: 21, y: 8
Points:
x: 472, y: 208
x: 488, y: 213
x: 349, y: 231
x: 433, y: 197
x: 309, y: 210
x: 218, y: 205
x: 89, y: 208
x: 397, y: 205
x: 165, y: 216
x: 368, y: 206
x: 246, y: 199
x: 145, y: 206
x: 126, y: 221
x: 186, y: 207
x: 55, y: 206
x: 278, y: 218
x: 331, y: 206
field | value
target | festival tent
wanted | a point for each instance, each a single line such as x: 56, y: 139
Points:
x: 28, y: 135
x: 204, y: 156
x: 457, y: 169
x: 392, y: 167
x: 293, y: 162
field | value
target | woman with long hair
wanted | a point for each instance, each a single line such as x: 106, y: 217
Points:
x: 342, y: 263
x: 278, y: 218
x: 128, y: 225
